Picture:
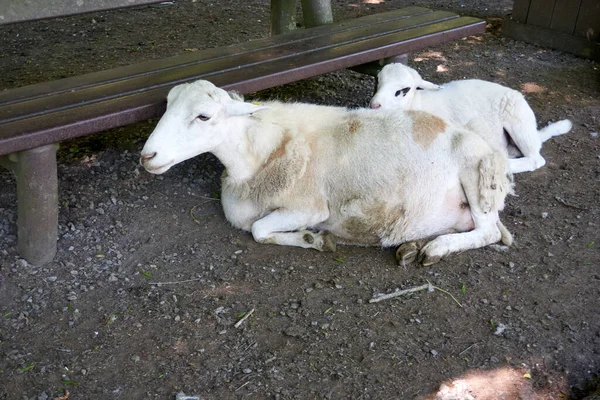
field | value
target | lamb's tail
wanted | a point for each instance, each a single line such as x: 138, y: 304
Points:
x: 555, y: 129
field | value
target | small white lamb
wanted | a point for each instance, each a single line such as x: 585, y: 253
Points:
x: 486, y: 107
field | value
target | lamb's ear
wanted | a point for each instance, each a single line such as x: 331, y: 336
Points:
x: 238, y: 108
x: 426, y: 85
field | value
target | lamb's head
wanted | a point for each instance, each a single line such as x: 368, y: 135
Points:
x: 397, y: 85
x: 199, y: 117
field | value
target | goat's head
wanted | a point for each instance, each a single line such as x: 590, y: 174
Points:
x: 397, y: 85
x: 198, y: 119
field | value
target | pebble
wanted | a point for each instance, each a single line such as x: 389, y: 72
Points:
x: 594, y: 134
x: 247, y: 370
x: 135, y: 358
x: 434, y: 353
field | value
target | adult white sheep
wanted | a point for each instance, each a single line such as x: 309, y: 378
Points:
x: 313, y: 176
x: 471, y: 103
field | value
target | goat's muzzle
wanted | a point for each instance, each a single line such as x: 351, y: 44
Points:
x: 147, y: 157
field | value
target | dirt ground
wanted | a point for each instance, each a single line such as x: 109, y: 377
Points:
x: 142, y: 299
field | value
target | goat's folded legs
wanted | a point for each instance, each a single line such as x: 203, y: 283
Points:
x: 288, y: 228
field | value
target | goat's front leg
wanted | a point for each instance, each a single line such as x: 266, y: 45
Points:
x: 288, y: 228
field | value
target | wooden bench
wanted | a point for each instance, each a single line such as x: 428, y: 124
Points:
x: 33, y: 118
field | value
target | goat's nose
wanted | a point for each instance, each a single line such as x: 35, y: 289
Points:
x: 375, y: 105
x: 147, y: 157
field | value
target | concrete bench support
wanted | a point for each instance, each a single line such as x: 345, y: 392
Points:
x: 37, y: 202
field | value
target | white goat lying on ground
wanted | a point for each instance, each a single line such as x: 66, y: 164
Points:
x: 475, y: 104
x: 313, y: 176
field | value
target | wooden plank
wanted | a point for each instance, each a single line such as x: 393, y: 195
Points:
x: 540, y: 13
x: 69, y: 84
x: 553, y: 39
x: 564, y: 16
x: 122, y: 110
x: 208, y: 66
x: 520, y: 10
x: 27, y: 10
x: 588, y: 22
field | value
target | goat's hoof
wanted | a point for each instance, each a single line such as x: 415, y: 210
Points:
x: 328, y: 242
x: 407, y: 253
x: 430, y: 260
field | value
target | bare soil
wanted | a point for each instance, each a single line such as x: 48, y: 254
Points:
x: 95, y: 323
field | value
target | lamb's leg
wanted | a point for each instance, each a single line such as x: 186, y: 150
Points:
x: 485, y: 186
x: 521, y: 125
x: 288, y: 228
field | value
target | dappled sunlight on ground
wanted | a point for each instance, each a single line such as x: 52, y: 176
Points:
x: 532, y: 87
x: 499, y: 384
x: 431, y: 55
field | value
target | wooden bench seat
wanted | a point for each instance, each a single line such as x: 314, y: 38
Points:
x: 34, y: 117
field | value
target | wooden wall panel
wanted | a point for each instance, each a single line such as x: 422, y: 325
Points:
x: 564, y: 17
x: 520, y: 10
x: 540, y: 13
x: 588, y: 22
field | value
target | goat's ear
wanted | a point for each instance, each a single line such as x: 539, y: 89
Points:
x: 235, y: 95
x: 426, y: 85
x: 238, y: 108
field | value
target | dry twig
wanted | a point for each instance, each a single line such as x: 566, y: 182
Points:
x: 174, y: 282
x: 397, y: 293
x: 245, y: 317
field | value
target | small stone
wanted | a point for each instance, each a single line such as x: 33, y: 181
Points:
x: 43, y: 396
x: 52, y: 278
x: 544, y: 215
x: 113, y: 278
x: 177, y: 318
x: 247, y: 370
x: 308, y: 290
x: 594, y: 134
x: 434, y: 352
x: 508, y: 308
x: 135, y: 358
x: 238, y: 252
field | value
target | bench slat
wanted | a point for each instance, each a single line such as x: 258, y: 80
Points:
x: 214, y: 66
x: 154, y: 66
x: 146, y: 92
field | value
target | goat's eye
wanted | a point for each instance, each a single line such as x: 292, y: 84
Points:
x: 402, y: 91
x: 203, y: 117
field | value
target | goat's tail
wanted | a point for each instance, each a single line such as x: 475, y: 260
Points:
x: 555, y: 129
x: 494, y: 182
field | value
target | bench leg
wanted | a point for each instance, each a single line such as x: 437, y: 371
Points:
x: 283, y: 16
x: 37, y: 208
x: 316, y: 12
